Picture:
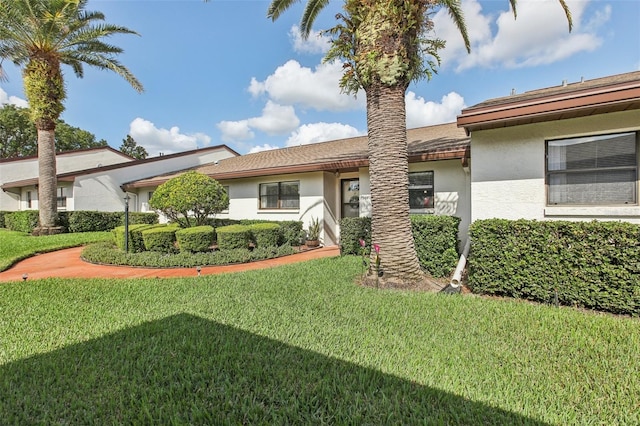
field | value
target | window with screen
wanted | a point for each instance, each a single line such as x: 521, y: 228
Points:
x: 280, y: 195
x: 594, y: 170
x: 421, y: 192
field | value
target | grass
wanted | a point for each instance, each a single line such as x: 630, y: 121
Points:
x: 301, y: 344
x: 16, y: 246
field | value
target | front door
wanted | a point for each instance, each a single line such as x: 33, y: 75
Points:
x: 350, y: 196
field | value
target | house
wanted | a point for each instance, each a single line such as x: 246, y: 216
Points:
x: 99, y: 187
x: 330, y: 180
x: 566, y: 152
x: 26, y: 168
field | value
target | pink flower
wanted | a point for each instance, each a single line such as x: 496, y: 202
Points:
x: 362, y: 243
x: 376, y: 247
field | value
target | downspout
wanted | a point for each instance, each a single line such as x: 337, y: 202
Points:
x: 454, y: 284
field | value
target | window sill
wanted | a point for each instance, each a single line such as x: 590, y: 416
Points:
x: 592, y: 211
x: 279, y: 211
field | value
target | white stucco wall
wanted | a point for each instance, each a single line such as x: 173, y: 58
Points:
x: 508, y: 169
x: 101, y: 190
x: 16, y: 170
x: 451, y: 191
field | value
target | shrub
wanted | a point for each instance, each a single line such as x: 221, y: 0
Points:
x: 190, y: 198
x: 2, y: 215
x: 352, y: 229
x: 161, y: 238
x: 265, y: 234
x: 149, y: 218
x: 22, y: 221
x: 291, y: 232
x: 135, y: 240
x: 436, y: 241
x: 196, y: 239
x: 595, y: 265
x: 435, y: 237
x: 92, y: 221
x: 233, y: 237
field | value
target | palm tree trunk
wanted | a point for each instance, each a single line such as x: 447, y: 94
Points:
x: 47, y: 184
x: 388, y: 171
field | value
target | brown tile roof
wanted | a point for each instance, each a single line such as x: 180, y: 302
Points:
x: 598, y: 96
x: 445, y: 141
x: 125, y: 157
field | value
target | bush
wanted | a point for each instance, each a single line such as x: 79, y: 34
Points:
x: 22, y: 221
x: 161, y: 238
x: 233, y: 237
x: 150, y: 218
x: 196, y: 239
x: 352, y: 229
x: 92, y: 221
x: 436, y: 241
x: 435, y: 237
x: 135, y: 241
x: 291, y: 232
x: 595, y: 265
x: 2, y: 215
x: 265, y: 234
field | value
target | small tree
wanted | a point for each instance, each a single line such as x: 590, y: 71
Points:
x: 132, y: 149
x: 189, y: 199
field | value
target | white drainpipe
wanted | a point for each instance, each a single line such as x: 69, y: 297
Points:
x: 457, y: 274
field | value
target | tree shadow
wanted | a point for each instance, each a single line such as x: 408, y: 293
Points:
x: 185, y: 369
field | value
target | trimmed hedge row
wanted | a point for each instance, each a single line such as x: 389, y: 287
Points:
x: 435, y: 237
x: 195, y: 239
x: 161, y: 238
x: 595, y: 265
x: 75, y: 221
x: 135, y: 239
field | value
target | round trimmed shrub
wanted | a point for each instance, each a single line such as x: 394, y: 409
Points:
x: 195, y: 239
x: 265, y: 234
x: 233, y: 237
x: 160, y: 239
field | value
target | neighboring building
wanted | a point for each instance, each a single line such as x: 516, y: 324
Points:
x: 330, y: 180
x: 99, y: 188
x: 566, y: 152
x: 24, y: 168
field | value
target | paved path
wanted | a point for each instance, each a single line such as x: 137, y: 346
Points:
x: 67, y: 264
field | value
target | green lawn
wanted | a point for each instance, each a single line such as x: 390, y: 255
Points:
x: 15, y: 246
x: 302, y: 344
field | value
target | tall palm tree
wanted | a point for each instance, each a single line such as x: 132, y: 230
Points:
x: 385, y: 47
x: 39, y: 36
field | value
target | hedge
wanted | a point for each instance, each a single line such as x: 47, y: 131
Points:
x: 161, y: 238
x: 22, y: 221
x: 594, y: 265
x: 435, y: 238
x: 135, y: 241
x: 195, y: 239
x: 2, y: 215
x: 233, y: 237
x: 265, y: 234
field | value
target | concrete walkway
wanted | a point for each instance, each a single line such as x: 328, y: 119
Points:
x: 68, y: 264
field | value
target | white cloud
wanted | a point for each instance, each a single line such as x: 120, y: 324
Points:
x: 293, y: 84
x: 5, y: 99
x: 157, y: 141
x: 233, y: 131
x: 427, y: 113
x: 275, y: 120
x: 321, y: 132
x: 316, y: 43
x: 264, y: 147
x: 538, y: 36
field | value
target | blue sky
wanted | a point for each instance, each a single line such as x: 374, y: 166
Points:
x: 222, y: 73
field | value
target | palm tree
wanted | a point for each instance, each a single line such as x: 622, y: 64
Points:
x: 385, y: 47
x: 39, y: 36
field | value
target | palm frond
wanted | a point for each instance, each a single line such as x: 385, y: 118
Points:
x: 277, y: 7
x: 567, y: 12
x: 455, y: 11
x: 310, y: 14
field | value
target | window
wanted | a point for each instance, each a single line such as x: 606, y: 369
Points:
x: 350, y: 197
x: 149, y: 195
x: 62, y: 199
x: 421, y: 192
x: 29, y: 199
x: 593, y: 170
x: 280, y: 195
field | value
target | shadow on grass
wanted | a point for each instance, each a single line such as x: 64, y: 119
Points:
x: 185, y: 369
